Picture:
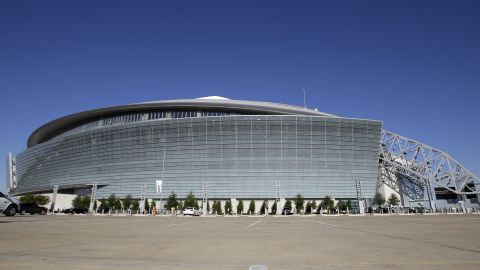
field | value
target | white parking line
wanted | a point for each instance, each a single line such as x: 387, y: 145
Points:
x: 319, y: 222
x: 258, y: 267
x: 255, y: 223
x: 192, y: 222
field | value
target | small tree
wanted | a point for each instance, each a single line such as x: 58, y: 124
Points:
x: 251, y: 208
x: 308, y: 208
x: 228, y: 207
x: 153, y: 204
x: 85, y: 202
x: 342, y: 206
x: 118, y: 204
x: 327, y: 204
x: 103, y: 204
x: 288, y: 205
x: 349, y: 204
x: 378, y: 200
x: 274, y: 208
x: 127, y: 202
x: 393, y: 200
x: 191, y: 201
x: 264, y: 207
x: 172, y: 201
x: 77, y: 201
x: 35, y: 198
x: 217, y: 207
x: 146, y: 206
x: 81, y: 201
x: 135, y: 206
x: 313, y: 204
x: 111, y: 201
x: 240, y: 207
x: 299, y: 201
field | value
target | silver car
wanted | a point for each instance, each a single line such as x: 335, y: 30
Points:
x: 8, y: 206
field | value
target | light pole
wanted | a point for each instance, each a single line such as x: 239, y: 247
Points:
x: 163, y: 169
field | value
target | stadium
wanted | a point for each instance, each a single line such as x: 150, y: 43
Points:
x: 223, y: 149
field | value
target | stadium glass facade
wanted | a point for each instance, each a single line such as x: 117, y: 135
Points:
x: 240, y: 154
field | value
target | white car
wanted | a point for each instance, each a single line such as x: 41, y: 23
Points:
x: 188, y: 212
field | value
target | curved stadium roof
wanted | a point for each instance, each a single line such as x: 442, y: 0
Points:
x: 60, y: 125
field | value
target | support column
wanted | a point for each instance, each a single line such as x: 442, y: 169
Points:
x: 54, y: 198
x: 93, y: 198
x: 142, y: 198
x: 400, y: 190
x: 11, y: 172
x: 462, y: 204
x: 431, y: 196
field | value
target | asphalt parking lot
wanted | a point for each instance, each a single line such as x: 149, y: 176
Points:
x: 313, y: 242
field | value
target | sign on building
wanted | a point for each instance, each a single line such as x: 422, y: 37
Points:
x: 158, y: 185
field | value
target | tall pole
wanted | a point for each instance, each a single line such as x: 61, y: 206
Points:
x: 205, y: 199
x: 361, y: 201
x: 142, y: 198
x: 163, y: 170
x: 304, y: 98
x: 278, y: 197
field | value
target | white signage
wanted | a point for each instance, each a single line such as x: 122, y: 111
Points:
x: 159, y: 186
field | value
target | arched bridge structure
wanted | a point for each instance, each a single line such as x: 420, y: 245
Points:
x: 426, y: 168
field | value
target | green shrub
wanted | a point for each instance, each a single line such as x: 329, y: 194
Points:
x: 251, y: 208
x: 240, y: 207
x: 35, y: 198
x: 191, y: 201
x: 274, y: 208
x: 127, y: 202
x: 308, y: 208
x: 228, y: 207
x: 264, y: 207
x: 172, y: 201
x: 299, y: 201
x: 288, y: 205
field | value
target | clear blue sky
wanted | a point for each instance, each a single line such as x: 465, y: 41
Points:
x: 415, y: 65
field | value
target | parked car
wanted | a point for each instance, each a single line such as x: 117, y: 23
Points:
x: 75, y: 210
x: 381, y: 210
x: 8, y: 206
x: 32, y: 208
x: 189, y: 212
x: 287, y: 212
x: 420, y: 210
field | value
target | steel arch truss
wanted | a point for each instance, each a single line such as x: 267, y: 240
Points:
x: 425, y: 164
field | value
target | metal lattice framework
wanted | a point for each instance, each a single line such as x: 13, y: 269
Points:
x: 424, y: 164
